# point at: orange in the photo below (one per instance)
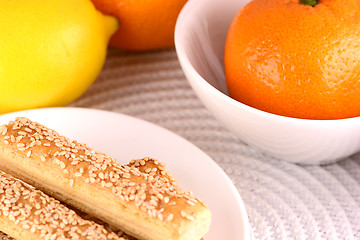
(296, 60)
(144, 24)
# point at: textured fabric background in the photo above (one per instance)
(283, 201)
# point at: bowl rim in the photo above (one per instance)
(185, 63)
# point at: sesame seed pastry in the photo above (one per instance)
(140, 198)
(27, 213)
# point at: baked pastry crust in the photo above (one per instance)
(144, 202)
(27, 213)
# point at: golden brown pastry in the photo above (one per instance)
(145, 205)
(26, 213)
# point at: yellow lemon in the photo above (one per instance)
(50, 51)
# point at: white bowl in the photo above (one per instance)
(199, 39)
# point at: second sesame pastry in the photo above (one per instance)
(144, 202)
(27, 213)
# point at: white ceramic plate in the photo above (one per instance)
(127, 138)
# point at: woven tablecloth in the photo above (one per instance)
(283, 200)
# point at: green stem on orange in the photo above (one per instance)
(309, 2)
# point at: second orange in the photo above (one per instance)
(143, 24)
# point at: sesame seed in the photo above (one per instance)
(103, 184)
(3, 130)
(26, 226)
(20, 145)
(191, 202)
(18, 138)
(62, 165)
(126, 175)
(11, 217)
(170, 217)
